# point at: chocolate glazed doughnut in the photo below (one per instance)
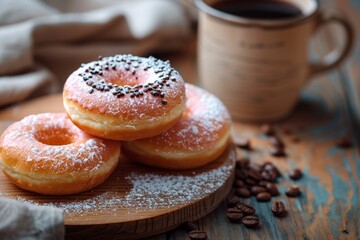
(125, 97)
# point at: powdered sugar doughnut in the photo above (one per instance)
(48, 154)
(200, 136)
(125, 97)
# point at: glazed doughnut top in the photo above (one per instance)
(128, 86)
(51, 143)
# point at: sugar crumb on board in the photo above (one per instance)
(147, 191)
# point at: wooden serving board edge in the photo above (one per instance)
(134, 230)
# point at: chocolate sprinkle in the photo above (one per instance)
(95, 70)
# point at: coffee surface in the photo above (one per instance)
(258, 9)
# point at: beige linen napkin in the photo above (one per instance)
(42, 42)
(25, 221)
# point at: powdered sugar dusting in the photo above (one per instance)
(144, 191)
(153, 190)
(204, 122)
(25, 139)
(70, 157)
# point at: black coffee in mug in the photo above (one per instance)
(258, 9)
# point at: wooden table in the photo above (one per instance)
(329, 108)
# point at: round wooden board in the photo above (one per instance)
(136, 201)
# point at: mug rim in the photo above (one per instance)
(238, 20)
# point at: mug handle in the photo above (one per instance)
(336, 56)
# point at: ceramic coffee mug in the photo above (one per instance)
(255, 55)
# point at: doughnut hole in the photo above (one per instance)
(55, 136)
(122, 78)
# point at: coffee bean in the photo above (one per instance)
(254, 174)
(243, 192)
(234, 214)
(268, 129)
(251, 221)
(241, 174)
(277, 152)
(189, 226)
(243, 143)
(232, 201)
(292, 191)
(263, 183)
(276, 142)
(344, 142)
(268, 176)
(242, 162)
(239, 183)
(263, 197)
(246, 208)
(268, 166)
(278, 209)
(250, 182)
(197, 235)
(255, 190)
(272, 189)
(256, 168)
(295, 174)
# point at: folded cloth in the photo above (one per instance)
(42, 42)
(20, 220)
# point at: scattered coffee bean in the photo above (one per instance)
(278, 209)
(243, 143)
(295, 174)
(276, 142)
(234, 214)
(250, 182)
(239, 183)
(344, 142)
(263, 197)
(232, 201)
(292, 191)
(189, 226)
(251, 221)
(254, 174)
(277, 152)
(263, 183)
(256, 168)
(269, 176)
(268, 166)
(197, 235)
(246, 208)
(243, 192)
(242, 162)
(268, 129)
(255, 190)
(272, 189)
(241, 174)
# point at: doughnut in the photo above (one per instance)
(125, 97)
(200, 136)
(47, 154)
